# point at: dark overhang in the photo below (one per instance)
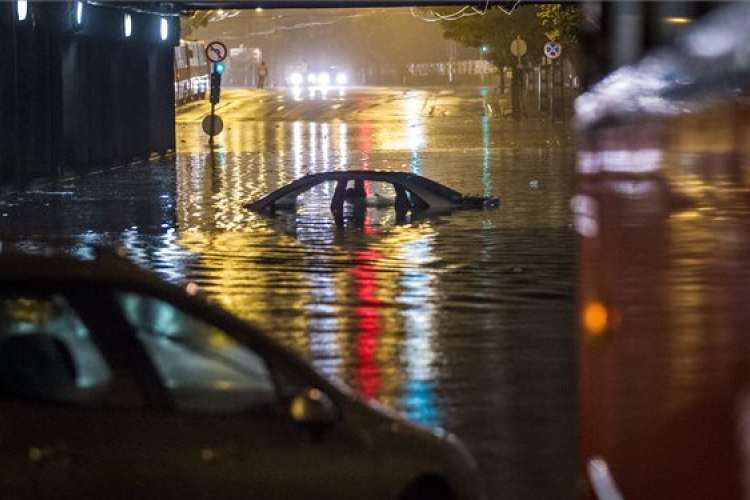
(193, 5)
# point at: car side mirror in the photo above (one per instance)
(313, 408)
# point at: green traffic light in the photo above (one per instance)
(219, 68)
(484, 48)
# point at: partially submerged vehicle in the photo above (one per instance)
(413, 193)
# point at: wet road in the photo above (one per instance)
(463, 321)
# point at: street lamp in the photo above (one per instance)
(164, 28)
(79, 12)
(22, 9)
(127, 25)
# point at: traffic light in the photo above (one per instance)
(216, 82)
(485, 48)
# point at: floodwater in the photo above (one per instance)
(464, 321)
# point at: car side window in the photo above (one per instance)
(203, 367)
(48, 352)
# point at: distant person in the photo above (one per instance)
(262, 72)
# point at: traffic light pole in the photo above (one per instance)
(213, 122)
(215, 97)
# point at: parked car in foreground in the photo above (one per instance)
(115, 384)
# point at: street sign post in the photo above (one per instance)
(216, 52)
(518, 48)
(212, 125)
(553, 51)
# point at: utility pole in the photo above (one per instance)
(518, 49)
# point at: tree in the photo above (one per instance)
(561, 22)
(536, 25)
(496, 29)
(194, 20)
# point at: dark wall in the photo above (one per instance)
(79, 98)
(620, 32)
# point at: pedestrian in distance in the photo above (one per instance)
(262, 72)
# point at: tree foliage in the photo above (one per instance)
(536, 25)
(561, 22)
(339, 37)
(194, 20)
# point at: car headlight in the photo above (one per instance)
(312, 78)
(341, 79)
(296, 79)
(324, 79)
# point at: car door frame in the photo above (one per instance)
(345, 436)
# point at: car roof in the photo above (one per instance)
(108, 265)
(111, 266)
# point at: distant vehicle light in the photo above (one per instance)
(311, 78)
(324, 79)
(341, 79)
(296, 79)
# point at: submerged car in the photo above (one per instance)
(115, 384)
(413, 193)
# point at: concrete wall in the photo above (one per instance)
(80, 98)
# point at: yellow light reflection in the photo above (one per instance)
(343, 146)
(325, 145)
(595, 319)
(220, 340)
(313, 148)
(297, 148)
(678, 20)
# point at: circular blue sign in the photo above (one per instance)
(552, 50)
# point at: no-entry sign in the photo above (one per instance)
(216, 52)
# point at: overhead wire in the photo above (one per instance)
(308, 24)
(509, 12)
(465, 11)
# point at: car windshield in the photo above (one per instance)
(204, 366)
(36, 315)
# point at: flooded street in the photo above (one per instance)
(464, 321)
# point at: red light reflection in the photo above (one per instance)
(369, 324)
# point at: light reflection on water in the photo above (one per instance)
(363, 303)
(463, 321)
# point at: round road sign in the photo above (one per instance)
(552, 50)
(216, 52)
(218, 124)
(518, 47)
